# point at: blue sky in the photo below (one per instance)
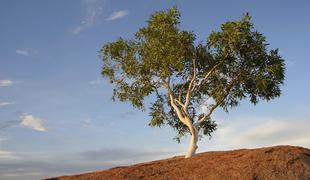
(56, 113)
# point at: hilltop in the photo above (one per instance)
(279, 162)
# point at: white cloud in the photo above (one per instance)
(6, 82)
(23, 52)
(86, 123)
(117, 15)
(6, 155)
(257, 132)
(5, 103)
(127, 155)
(32, 122)
(26, 52)
(93, 11)
(273, 132)
(21, 174)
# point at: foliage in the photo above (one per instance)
(166, 63)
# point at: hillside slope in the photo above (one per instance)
(279, 162)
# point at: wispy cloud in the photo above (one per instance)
(126, 155)
(25, 52)
(5, 103)
(8, 123)
(94, 9)
(6, 155)
(257, 132)
(273, 132)
(117, 15)
(32, 122)
(86, 123)
(32, 167)
(72, 163)
(6, 82)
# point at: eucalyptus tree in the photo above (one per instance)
(182, 75)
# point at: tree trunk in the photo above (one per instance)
(193, 142)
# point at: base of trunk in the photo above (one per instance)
(191, 152)
(193, 143)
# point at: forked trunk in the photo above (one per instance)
(193, 142)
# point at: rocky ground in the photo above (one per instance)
(279, 162)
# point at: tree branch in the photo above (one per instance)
(180, 103)
(181, 91)
(209, 73)
(189, 91)
(176, 108)
(172, 102)
(205, 116)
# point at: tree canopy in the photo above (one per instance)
(182, 75)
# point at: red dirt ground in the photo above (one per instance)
(279, 162)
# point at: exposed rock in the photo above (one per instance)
(279, 162)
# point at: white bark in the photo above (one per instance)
(193, 142)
